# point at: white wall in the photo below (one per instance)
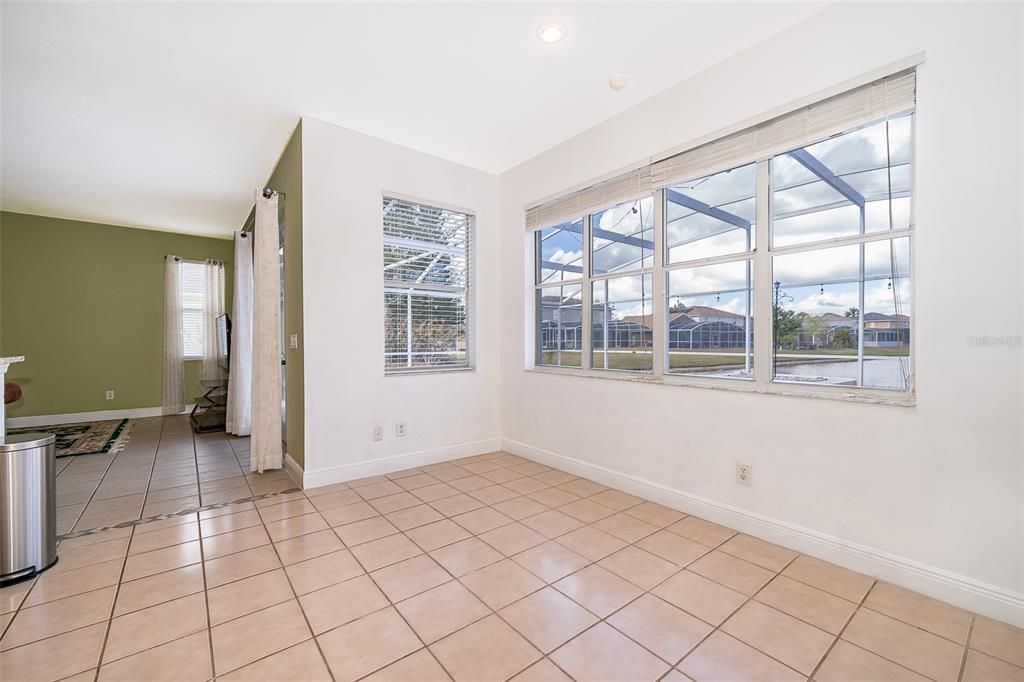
(447, 415)
(930, 496)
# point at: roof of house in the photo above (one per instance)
(707, 311)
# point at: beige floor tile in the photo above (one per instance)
(175, 535)
(295, 526)
(603, 653)
(51, 586)
(240, 565)
(72, 557)
(983, 668)
(368, 644)
(999, 640)
(420, 666)
(350, 513)
(502, 583)
(36, 662)
(512, 539)
(339, 498)
(707, 600)
(817, 607)
(550, 561)
(586, 510)
(591, 543)
(846, 662)
(229, 522)
(547, 618)
(297, 507)
(12, 596)
(599, 590)
(552, 523)
(375, 490)
(520, 507)
(456, 504)
(248, 595)
(675, 548)
(160, 560)
(701, 531)
(438, 491)
(250, 638)
(757, 551)
(829, 577)
(542, 671)
(737, 574)
(502, 475)
(784, 638)
(470, 483)
(481, 520)
(924, 612)
(664, 629)
(442, 610)
(552, 497)
(410, 577)
(466, 555)
(420, 480)
(486, 650)
(342, 603)
(141, 630)
(493, 494)
(156, 589)
(366, 530)
(385, 551)
(726, 659)
(413, 517)
(437, 534)
(182, 660)
(392, 503)
(616, 499)
(921, 651)
(639, 567)
(582, 487)
(308, 546)
(626, 527)
(300, 662)
(93, 539)
(235, 541)
(322, 571)
(59, 616)
(555, 477)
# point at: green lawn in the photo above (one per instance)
(641, 359)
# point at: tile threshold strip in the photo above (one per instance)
(183, 512)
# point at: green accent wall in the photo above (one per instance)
(83, 302)
(287, 179)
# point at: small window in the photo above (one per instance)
(623, 237)
(193, 305)
(711, 216)
(426, 287)
(623, 323)
(560, 325)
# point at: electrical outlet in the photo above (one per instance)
(744, 474)
(110, 395)
(399, 429)
(378, 433)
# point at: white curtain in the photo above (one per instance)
(239, 414)
(265, 448)
(174, 355)
(212, 309)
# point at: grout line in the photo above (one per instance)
(967, 649)
(202, 563)
(839, 636)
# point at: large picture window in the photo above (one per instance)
(427, 261)
(806, 219)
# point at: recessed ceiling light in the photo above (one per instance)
(617, 82)
(551, 33)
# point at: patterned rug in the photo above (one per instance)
(86, 438)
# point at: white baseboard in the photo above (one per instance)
(385, 465)
(294, 470)
(960, 590)
(100, 415)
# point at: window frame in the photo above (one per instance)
(468, 290)
(761, 259)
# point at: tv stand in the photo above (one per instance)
(210, 412)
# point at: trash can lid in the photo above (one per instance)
(24, 441)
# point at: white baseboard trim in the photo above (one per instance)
(960, 590)
(100, 415)
(385, 465)
(294, 470)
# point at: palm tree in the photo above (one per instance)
(852, 313)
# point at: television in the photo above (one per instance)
(223, 341)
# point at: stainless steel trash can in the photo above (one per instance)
(28, 506)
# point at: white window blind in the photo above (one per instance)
(880, 99)
(426, 287)
(193, 302)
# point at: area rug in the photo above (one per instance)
(86, 438)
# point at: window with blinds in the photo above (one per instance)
(427, 264)
(193, 303)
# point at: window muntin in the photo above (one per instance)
(709, 322)
(193, 307)
(623, 237)
(560, 325)
(711, 216)
(623, 323)
(426, 287)
(560, 252)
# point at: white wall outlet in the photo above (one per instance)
(110, 395)
(744, 474)
(293, 341)
(400, 430)
(378, 433)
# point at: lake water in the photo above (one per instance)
(886, 372)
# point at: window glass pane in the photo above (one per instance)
(193, 302)
(816, 315)
(560, 325)
(623, 237)
(825, 190)
(623, 321)
(710, 328)
(560, 249)
(424, 329)
(711, 216)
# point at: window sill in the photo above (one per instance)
(870, 396)
(430, 370)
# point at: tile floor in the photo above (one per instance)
(485, 568)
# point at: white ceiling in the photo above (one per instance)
(167, 116)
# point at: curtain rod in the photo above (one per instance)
(250, 225)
